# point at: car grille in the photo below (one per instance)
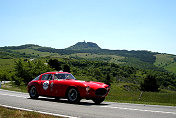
(100, 92)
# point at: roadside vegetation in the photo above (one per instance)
(123, 93)
(12, 87)
(12, 113)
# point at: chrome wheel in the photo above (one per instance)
(33, 93)
(73, 95)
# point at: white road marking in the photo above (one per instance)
(9, 90)
(22, 96)
(47, 113)
(13, 91)
(14, 95)
(165, 112)
(143, 104)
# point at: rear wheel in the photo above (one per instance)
(73, 95)
(98, 100)
(33, 93)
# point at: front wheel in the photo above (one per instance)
(73, 95)
(98, 100)
(33, 93)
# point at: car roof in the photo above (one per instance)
(56, 72)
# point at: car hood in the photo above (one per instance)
(92, 84)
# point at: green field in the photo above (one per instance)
(118, 94)
(6, 64)
(97, 57)
(171, 67)
(12, 113)
(37, 53)
(166, 61)
(163, 60)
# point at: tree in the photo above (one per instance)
(20, 72)
(150, 83)
(108, 79)
(98, 74)
(3, 76)
(66, 68)
(54, 63)
(26, 71)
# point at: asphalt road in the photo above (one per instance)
(86, 109)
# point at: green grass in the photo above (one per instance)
(107, 58)
(12, 87)
(6, 64)
(171, 67)
(12, 113)
(37, 53)
(163, 59)
(166, 61)
(118, 94)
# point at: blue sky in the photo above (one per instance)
(112, 24)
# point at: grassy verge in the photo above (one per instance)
(117, 94)
(12, 113)
(12, 87)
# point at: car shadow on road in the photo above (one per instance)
(83, 102)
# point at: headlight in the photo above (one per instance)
(87, 88)
(108, 87)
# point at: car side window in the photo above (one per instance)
(47, 77)
(59, 76)
(63, 76)
(55, 77)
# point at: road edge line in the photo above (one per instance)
(42, 112)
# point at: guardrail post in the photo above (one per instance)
(140, 95)
(0, 84)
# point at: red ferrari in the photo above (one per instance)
(65, 85)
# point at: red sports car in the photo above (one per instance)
(65, 85)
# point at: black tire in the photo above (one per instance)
(98, 100)
(33, 92)
(73, 95)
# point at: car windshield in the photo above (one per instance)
(63, 76)
(37, 78)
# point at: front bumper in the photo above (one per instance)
(94, 93)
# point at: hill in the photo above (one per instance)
(84, 46)
(91, 51)
(25, 51)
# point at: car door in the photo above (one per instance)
(59, 87)
(46, 85)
